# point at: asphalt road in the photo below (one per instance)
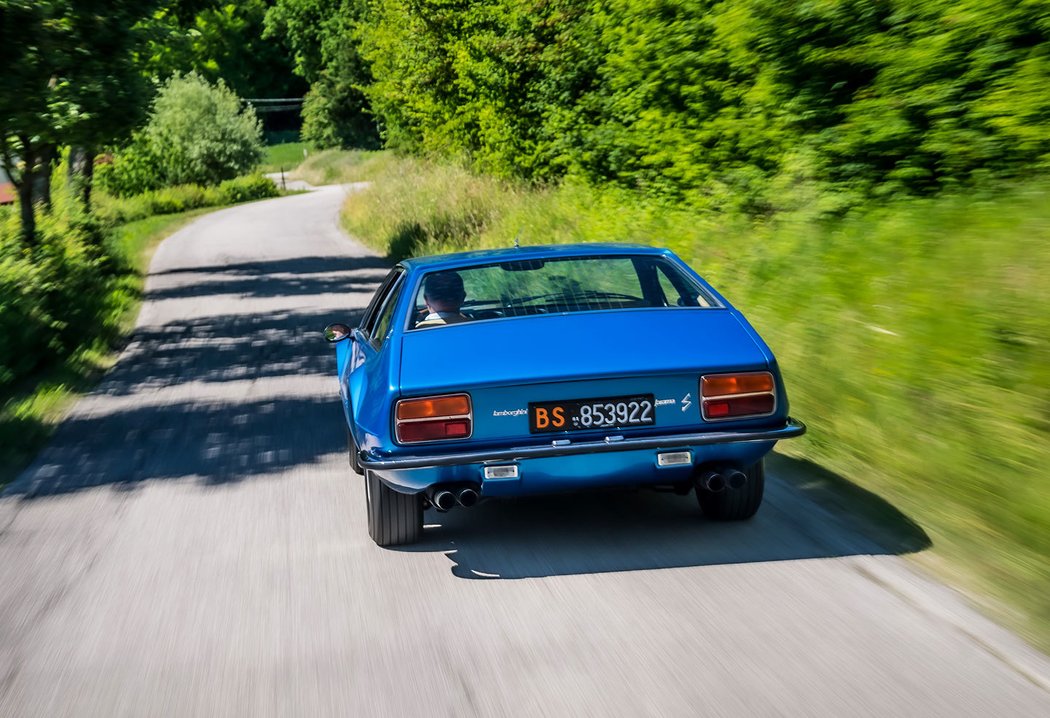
(193, 544)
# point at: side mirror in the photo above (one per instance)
(336, 333)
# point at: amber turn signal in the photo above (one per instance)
(433, 407)
(433, 418)
(730, 384)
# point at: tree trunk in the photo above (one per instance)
(25, 184)
(47, 155)
(25, 203)
(89, 177)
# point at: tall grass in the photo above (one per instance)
(914, 336)
(334, 166)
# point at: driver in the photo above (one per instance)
(444, 294)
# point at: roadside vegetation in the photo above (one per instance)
(285, 156)
(914, 335)
(32, 406)
(71, 279)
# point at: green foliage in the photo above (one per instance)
(737, 104)
(198, 133)
(131, 170)
(338, 166)
(325, 38)
(48, 294)
(285, 156)
(68, 290)
(223, 41)
(111, 211)
(201, 133)
(70, 78)
(245, 189)
(69, 69)
(431, 208)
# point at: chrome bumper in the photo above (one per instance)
(565, 447)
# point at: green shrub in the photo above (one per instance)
(197, 133)
(708, 101)
(50, 297)
(245, 189)
(130, 171)
(66, 293)
(111, 211)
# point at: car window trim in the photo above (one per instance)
(378, 300)
(393, 295)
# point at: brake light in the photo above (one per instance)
(735, 396)
(433, 418)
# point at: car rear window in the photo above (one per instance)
(564, 285)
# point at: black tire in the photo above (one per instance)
(735, 504)
(394, 519)
(355, 465)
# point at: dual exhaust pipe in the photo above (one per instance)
(444, 498)
(718, 481)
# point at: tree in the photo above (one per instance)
(70, 77)
(324, 36)
(223, 40)
(199, 133)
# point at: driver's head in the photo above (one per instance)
(444, 291)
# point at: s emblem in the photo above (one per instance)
(687, 401)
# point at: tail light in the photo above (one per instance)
(737, 396)
(433, 418)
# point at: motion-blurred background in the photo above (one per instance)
(867, 180)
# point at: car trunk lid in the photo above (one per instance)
(507, 363)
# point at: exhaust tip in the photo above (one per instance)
(735, 479)
(443, 500)
(711, 481)
(467, 497)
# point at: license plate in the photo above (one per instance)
(582, 414)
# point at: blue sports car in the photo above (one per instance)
(544, 369)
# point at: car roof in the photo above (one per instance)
(540, 251)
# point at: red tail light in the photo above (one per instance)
(433, 418)
(736, 396)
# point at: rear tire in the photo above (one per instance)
(394, 519)
(355, 465)
(735, 504)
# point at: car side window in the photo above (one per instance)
(671, 294)
(368, 321)
(680, 292)
(386, 315)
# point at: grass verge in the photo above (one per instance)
(285, 156)
(914, 337)
(336, 166)
(31, 409)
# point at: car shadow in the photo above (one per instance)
(611, 531)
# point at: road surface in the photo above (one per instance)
(193, 544)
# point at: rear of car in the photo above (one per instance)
(599, 367)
